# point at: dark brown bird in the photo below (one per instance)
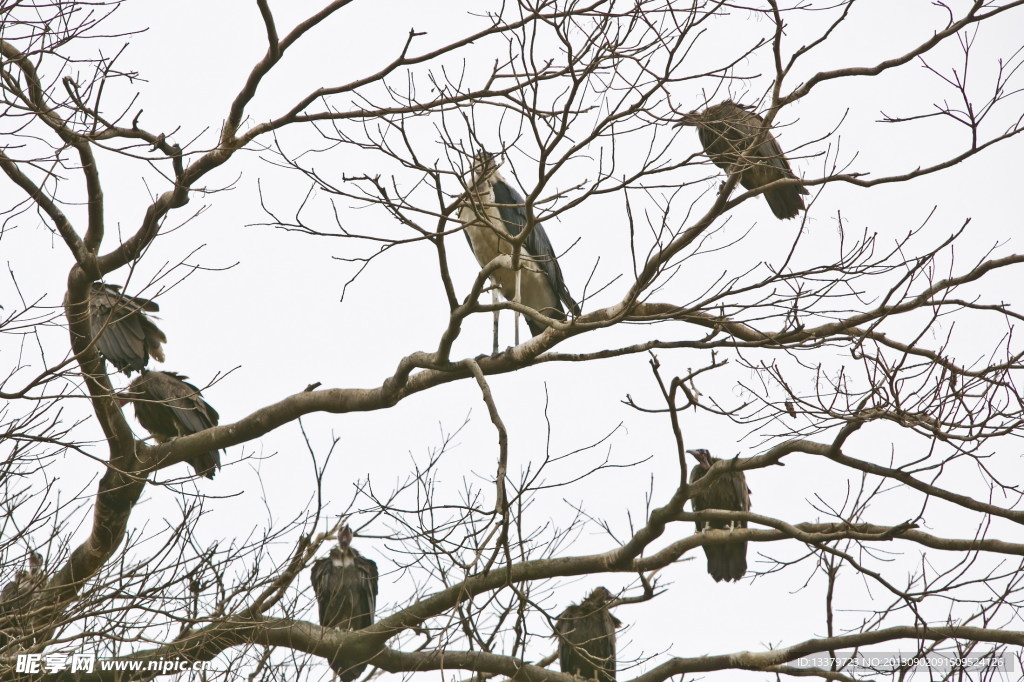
(167, 406)
(728, 492)
(586, 638)
(726, 131)
(126, 336)
(345, 585)
(16, 600)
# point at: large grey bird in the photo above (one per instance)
(126, 336)
(728, 492)
(586, 638)
(16, 600)
(726, 131)
(167, 406)
(492, 212)
(345, 585)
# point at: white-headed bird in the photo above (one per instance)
(493, 212)
(345, 585)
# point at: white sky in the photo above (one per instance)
(267, 302)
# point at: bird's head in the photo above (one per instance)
(599, 596)
(708, 117)
(693, 118)
(135, 390)
(35, 562)
(485, 164)
(702, 456)
(345, 537)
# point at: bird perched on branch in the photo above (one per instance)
(728, 492)
(727, 131)
(125, 335)
(16, 600)
(345, 585)
(586, 638)
(167, 406)
(493, 211)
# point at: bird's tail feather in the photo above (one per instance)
(727, 562)
(206, 464)
(786, 202)
(345, 670)
(538, 328)
(535, 327)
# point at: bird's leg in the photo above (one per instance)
(731, 171)
(732, 526)
(494, 300)
(518, 284)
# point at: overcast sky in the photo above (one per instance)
(264, 305)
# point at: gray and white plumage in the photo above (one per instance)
(16, 600)
(727, 130)
(167, 406)
(728, 492)
(345, 585)
(586, 638)
(493, 209)
(127, 338)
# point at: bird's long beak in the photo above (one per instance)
(689, 119)
(485, 160)
(700, 457)
(345, 535)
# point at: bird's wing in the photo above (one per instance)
(696, 474)
(316, 575)
(126, 336)
(118, 337)
(11, 590)
(724, 132)
(135, 302)
(588, 642)
(569, 658)
(768, 152)
(772, 155)
(511, 208)
(368, 574)
(368, 567)
(564, 623)
(742, 492)
(736, 495)
(191, 411)
(319, 575)
(601, 645)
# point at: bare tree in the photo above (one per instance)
(858, 365)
